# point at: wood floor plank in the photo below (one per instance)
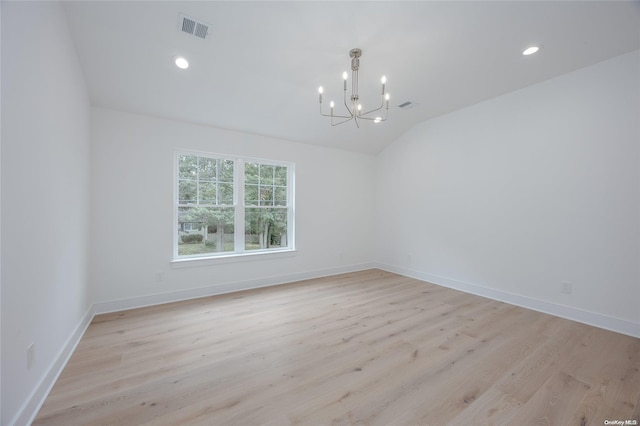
(549, 404)
(615, 382)
(369, 348)
(493, 407)
(532, 371)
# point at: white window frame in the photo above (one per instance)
(238, 205)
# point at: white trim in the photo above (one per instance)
(189, 262)
(28, 411)
(176, 296)
(590, 318)
(238, 182)
(291, 205)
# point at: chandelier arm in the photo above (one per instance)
(335, 116)
(348, 109)
(382, 99)
(345, 102)
(373, 110)
(340, 122)
(332, 115)
(376, 118)
(386, 115)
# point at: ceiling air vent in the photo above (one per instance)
(406, 105)
(193, 27)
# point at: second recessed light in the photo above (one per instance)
(181, 62)
(530, 50)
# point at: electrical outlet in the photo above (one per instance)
(31, 355)
(567, 288)
(159, 276)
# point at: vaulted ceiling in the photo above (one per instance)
(259, 68)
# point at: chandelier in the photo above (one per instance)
(354, 108)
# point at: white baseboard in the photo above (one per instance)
(176, 296)
(591, 318)
(30, 408)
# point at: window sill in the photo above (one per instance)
(231, 258)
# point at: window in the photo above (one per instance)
(232, 206)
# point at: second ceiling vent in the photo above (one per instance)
(193, 27)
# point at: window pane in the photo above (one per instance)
(280, 176)
(207, 192)
(251, 173)
(225, 171)
(188, 166)
(204, 230)
(266, 174)
(265, 228)
(280, 197)
(225, 193)
(206, 168)
(251, 195)
(187, 192)
(266, 196)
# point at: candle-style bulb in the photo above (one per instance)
(383, 79)
(345, 75)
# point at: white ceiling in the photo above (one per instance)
(259, 69)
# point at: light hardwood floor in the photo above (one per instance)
(361, 348)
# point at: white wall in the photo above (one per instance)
(515, 195)
(132, 210)
(45, 201)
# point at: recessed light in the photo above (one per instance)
(530, 50)
(181, 62)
